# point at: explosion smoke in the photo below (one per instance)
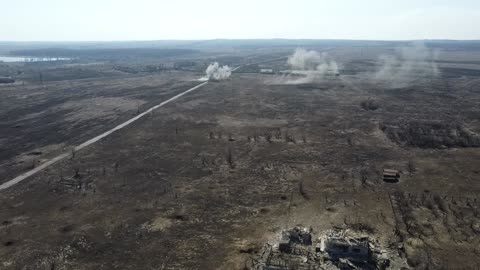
(312, 64)
(216, 73)
(409, 63)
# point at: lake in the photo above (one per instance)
(11, 59)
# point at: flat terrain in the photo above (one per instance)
(40, 120)
(206, 181)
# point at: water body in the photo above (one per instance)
(12, 59)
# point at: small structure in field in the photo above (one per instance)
(266, 70)
(6, 80)
(391, 176)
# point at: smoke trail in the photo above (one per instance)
(312, 65)
(215, 72)
(410, 63)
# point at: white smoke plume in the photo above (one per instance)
(313, 65)
(215, 72)
(407, 65)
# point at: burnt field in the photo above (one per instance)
(40, 120)
(206, 181)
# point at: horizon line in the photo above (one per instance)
(234, 39)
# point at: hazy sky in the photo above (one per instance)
(64, 20)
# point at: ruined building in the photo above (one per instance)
(355, 250)
(293, 237)
(297, 248)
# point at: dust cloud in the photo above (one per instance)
(215, 72)
(409, 63)
(311, 65)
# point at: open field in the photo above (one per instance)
(204, 182)
(38, 120)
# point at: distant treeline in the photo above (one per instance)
(295, 43)
(164, 48)
(103, 53)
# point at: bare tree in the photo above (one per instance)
(77, 173)
(256, 137)
(204, 161)
(411, 166)
(278, 134)
(268, 137)
(350, 141)
(230, 160)
(364, 176)
(301, 189)
(73, 153)
(289, 138)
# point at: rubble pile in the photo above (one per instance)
(297, 236)
(297, 248)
